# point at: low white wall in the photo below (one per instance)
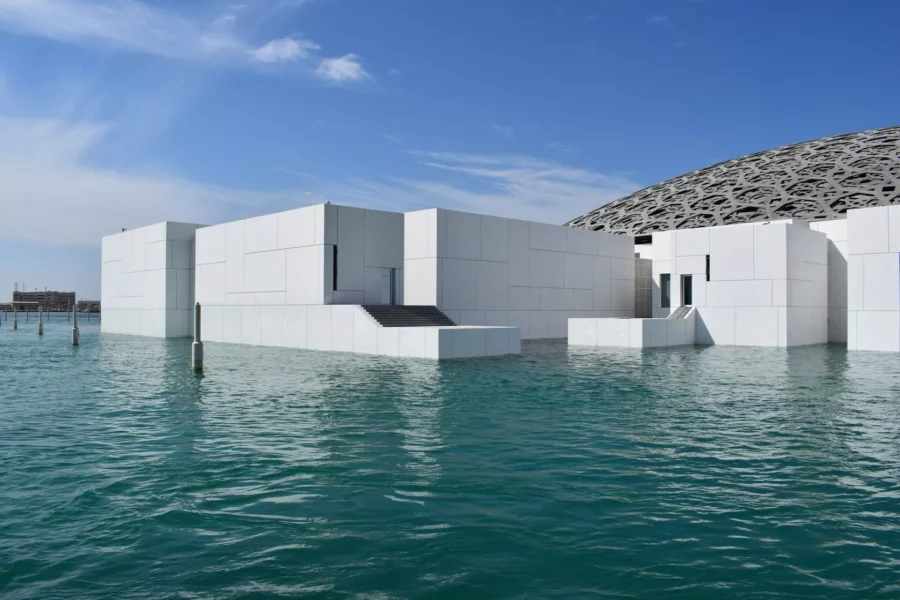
(873, 279)
(347, 328)
(483, 270)
(768, 283)
(147, 280)
(633, 333)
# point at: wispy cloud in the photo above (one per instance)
(285, 49)
(561, 147)
(660, 20)
(345, 68)
(43, 164)
(390, 138)
(504, 130)
(510, 186)
(133, 26)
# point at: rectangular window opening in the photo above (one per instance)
(687, 290)
(665, 290)
(334, 268)
(707, 267)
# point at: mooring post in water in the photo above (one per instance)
(15, 317)
(197, 346)
(75, 336)
(40, 320)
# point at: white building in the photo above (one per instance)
(795, 246)
(314, 278)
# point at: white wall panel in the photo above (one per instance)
(868, 230)
(272, 325)
(557, 299)
(756, 326)
(693, 242)
(881, 282)
(261, 233)
(303, 279)
(770, 251)
(384, 234)
(739, 293)
(351, 248)
(582, 241)
(297, 228)
(411, 342)
(463, 235)
(342, 328)
(251, 325)
(494, 239)
(695, 265)
(422, 284)
(715, 326)
(548, 237)
(547, 269)
(415, 235)
(235, 257)
(579, 271)
(265, 271)
(294, 319)
(878, 330)
(518, 253)
(493, 285)
(731, 253)
(460, 284)
(318, 327)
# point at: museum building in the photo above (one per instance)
(794, 246)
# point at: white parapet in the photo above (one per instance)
(349, 328)
(633, 333)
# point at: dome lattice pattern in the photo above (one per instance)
(817, 180)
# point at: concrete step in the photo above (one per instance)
(408, 316)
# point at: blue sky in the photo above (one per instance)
(120, 113)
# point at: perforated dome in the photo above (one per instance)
(817, 180)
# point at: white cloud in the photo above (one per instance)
(50, 194)
(560, 146)
(133, 26)
(662, 20)
(504, 130)
(345, 68)
(285, 49)
(509, 186)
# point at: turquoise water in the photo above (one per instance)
(677, 473)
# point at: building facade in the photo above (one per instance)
(49, 300)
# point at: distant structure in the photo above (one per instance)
(88, 306)
(50, 300)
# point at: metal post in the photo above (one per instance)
(15, 317)
(40, 320)
(75, 336)
(197, 346)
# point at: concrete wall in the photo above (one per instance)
(873, 279)
(643, 287)
(768, 283)
(147, 280)
(633, 333)
(348, 328)
(250, 271)
(838, 254)
(484, 270)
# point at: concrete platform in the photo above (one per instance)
(633, 333)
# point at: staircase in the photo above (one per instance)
(680, 312)
(408, 316)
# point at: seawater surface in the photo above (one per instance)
(564, 473)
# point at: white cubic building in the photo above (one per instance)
(795, 246)
(873, 276)
(482, 270)
(787, 247)
(148, 280)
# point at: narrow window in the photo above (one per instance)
(707, 267)
(334, 268)
(687, 290)
(665, 290)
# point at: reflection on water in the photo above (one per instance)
(681, 472)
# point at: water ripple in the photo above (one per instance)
(564, 473)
